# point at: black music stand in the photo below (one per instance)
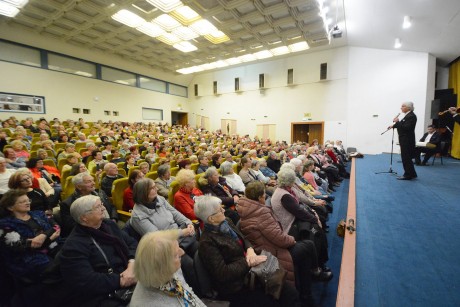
(390, 171)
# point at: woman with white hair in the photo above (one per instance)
(159, 275)
(228, 257)
(97, 258)
(233, 180)
(294, 217)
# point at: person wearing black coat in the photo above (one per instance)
(432, 137)
(455, 115)
(96, 260)
(84, 185)
(406, 132)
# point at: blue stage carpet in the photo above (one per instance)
(408, 240)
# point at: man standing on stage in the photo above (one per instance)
(406, 131)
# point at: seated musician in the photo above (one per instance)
(427, 144)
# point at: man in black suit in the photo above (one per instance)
(456, 116)
(406, 131)
(432, 138)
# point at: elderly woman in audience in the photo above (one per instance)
(164, 180)
(22, 180)
(144, 167)
(43, 154)
(228, 257)
(129, 162)
(293, 216)
(259, 226)
(213, 184)
(96, 259)
(184, 199)
(71, 159)
(97, 163)
(248, 174)
(18, 148)
(233, 180)
(27, 238)
(128, 200)
(49, 145)
(184, 164)
(68, 149)
(151, 155)
(158, 271)
(78, 168)
(152, 212)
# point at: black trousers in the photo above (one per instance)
(303, 255)
(428, 154)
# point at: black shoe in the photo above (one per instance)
(323, 276)
(405, 178)
(326, 269)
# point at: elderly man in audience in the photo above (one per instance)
(273, 162)
(111, 174)
(84, 185)
(164, 180)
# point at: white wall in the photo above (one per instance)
(279, 104)
(378, 82)
(65, 91)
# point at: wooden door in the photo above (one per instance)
(307, 132)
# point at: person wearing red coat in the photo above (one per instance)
(184, 199)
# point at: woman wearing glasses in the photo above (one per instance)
(27, 238)
(23, 180)
(96, 260)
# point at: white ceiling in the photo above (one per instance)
(365, 23)
(435, 26)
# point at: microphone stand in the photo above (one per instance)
(390, 171)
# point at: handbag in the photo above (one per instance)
(122, 295)
(341, 228)
(269, 274)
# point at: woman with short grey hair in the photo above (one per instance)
(96, 259)
(228, 257)
(163, 182)
(233, 180)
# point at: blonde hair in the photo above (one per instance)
(154, 265)
(184, 176)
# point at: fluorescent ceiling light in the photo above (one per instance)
(407, 22)
(217, 37)
(17, 3)
(185, 71)
(398, 43)
(233, 61)
(8, 10)
(169, 38)
(128, 18)
(220, 64)
(298, 46)
(280, 50)
(185, 15)
(185, 47)
(83, 73)
(208, 66)
(151, 29)
(203, 27)
(166, 5)
(247, 58)
(166, 22)
(122, 82)
(263, 54)
(185, 33)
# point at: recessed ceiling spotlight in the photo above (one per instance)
(398, 43)
(407, 22)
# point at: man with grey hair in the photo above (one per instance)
(111, 171)
(84, 185)
(405, 124)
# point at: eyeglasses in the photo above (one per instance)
(96, 208)
(222, 210)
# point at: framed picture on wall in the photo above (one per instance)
(21, 103)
